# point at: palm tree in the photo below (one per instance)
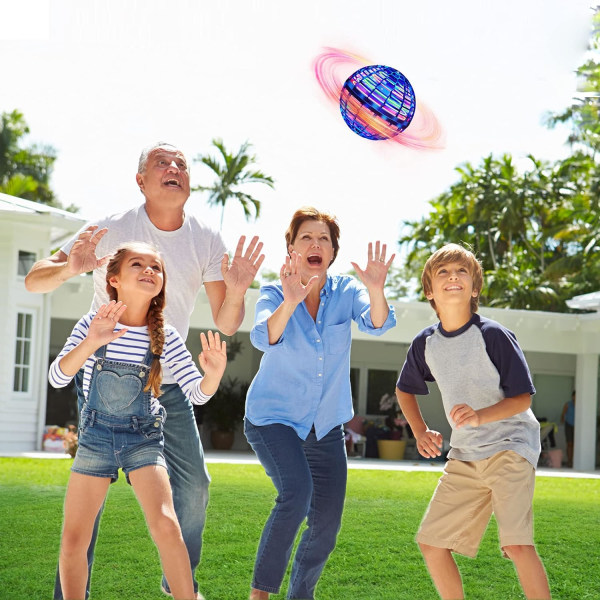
(232, 172)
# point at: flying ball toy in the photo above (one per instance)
(377, 102)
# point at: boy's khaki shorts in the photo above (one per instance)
(468, 493)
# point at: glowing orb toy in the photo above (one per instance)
(377, 102)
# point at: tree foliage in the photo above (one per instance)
(537, 233)
(25, 170)
(233, 172)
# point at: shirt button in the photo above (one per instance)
(318, 340)
(320, 358)
(320, 374)
(156, 424)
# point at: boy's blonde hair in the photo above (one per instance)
(453, 253)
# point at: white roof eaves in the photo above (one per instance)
(585, 301)
(61, 224)
(22, 206)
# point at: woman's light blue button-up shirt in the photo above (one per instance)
(304, 378)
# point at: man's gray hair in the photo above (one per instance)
(148, 150)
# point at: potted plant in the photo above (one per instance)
(390, 436)
(224, 412)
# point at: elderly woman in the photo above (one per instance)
(300, 397)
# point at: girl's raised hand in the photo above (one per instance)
(213, 358)
(102, 328)
(377, 268)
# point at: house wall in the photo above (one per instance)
(562, 350)
(21, 413)
(35, 229)
(538, 333)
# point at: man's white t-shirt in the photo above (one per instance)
(192, 255)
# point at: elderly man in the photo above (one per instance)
(194, 256)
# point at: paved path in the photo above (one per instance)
(249, 458)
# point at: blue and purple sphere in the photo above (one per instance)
(377, 102)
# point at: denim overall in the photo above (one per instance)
(116, 428)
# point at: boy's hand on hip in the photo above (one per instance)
(463, 414)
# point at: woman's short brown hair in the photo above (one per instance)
(448, 254)
(309, 213)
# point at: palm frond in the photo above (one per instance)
(231, 173)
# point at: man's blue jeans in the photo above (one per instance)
(188, 475)
(310, 478)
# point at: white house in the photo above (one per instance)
(28, 231)
(562, 349)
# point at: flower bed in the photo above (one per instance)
(60, 439)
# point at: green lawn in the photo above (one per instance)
(376, 557)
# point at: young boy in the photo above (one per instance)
(486, 389)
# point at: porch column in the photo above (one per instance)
(41, 365)
(586, 409)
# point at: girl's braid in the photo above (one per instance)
(156, 331)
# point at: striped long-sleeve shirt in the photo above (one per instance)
(132, 348)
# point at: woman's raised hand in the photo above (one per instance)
(293, 288)
(377, 268)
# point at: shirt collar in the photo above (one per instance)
(473, 320)
(326, 290)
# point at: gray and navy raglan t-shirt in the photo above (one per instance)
(479, 364)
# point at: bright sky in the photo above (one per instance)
(100, 79)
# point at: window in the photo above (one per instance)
(380, 382)
(26, 260)
(23, 352)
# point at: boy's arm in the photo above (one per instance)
(463, 414)
(428, 442)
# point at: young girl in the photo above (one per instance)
(121, 348)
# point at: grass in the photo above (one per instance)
(375, 559)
